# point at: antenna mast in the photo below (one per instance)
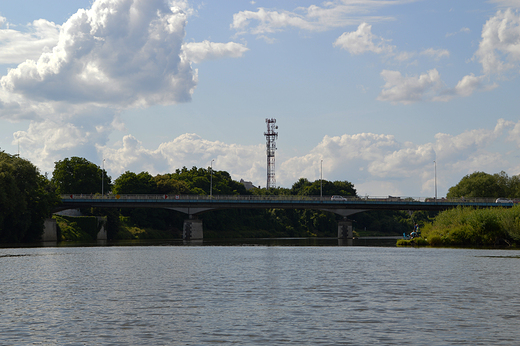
(270, 137)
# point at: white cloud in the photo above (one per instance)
(116, 54)
(332, 14)
(18, 46)
(113, 56)
(407, 90)
(377, 164)
(200, 51)
(362, 40)
(436, 53)
(188, 150)
(499, 49)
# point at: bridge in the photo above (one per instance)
(197, 204)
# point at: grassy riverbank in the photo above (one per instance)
(492, 227)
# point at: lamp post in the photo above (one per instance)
(211, 181)
(321, 179)
(103, 180)
(435, 178)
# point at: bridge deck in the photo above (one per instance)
(200, 203)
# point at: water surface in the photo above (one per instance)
(258, 295)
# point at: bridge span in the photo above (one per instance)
(197, 204)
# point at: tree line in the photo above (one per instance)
(27, 197)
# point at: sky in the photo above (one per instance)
(398, 97)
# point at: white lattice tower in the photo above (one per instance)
(271, 137)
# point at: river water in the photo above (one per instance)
(258, 294)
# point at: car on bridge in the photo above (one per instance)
(503, 200)
(338, 198)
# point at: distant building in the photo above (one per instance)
(248, 185)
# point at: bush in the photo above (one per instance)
(474, 227)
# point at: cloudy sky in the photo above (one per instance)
(374, 90)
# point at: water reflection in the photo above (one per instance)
(274, 292)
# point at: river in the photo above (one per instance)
(258, 294)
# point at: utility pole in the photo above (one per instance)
(321, 178)
(435, 178)
(211, 181)
(103, 180)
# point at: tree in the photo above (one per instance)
(199, 181)
(131, 183)
(481, 184)
(78, 175)
(325, 187)
(26, 199)
(166, 184)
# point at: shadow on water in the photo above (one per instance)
(362, 241)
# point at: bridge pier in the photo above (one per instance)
(345, 229)
(192, 229)
(50, 232)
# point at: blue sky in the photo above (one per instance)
(377, 89)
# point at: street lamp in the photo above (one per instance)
(211, 181)
(103, 180)
(321, 179)
(435, 178)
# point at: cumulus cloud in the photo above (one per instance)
(362, 40)
(73, 79)
(18, 46)
(206, 50)
(381, 165)
(499, 49)
(406, 90)
(186, 150)
(116, 54)
(377, 164)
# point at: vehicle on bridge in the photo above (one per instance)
(503, 200)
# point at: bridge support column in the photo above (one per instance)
(50, 232)
(102, 234)
(345, 229)
(192, 229)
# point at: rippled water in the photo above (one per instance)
(259, 295)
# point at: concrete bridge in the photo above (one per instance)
(193, 205)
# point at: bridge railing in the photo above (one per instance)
(276, 198)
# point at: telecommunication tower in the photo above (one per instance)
(270, 137)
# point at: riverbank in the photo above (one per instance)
(469, 227)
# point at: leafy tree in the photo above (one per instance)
(325, 187)
(166, 184)
(481, 184)
(199, 181)
(26, 199)
(131, 183)
(78, 175)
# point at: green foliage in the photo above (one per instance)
(79, 176)
(82, 228)
(200, 181)
(166, 184)
(323, 187)
(26, 199)
(131, 183)
(475, 227)
(480, 184)
(412, 242)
